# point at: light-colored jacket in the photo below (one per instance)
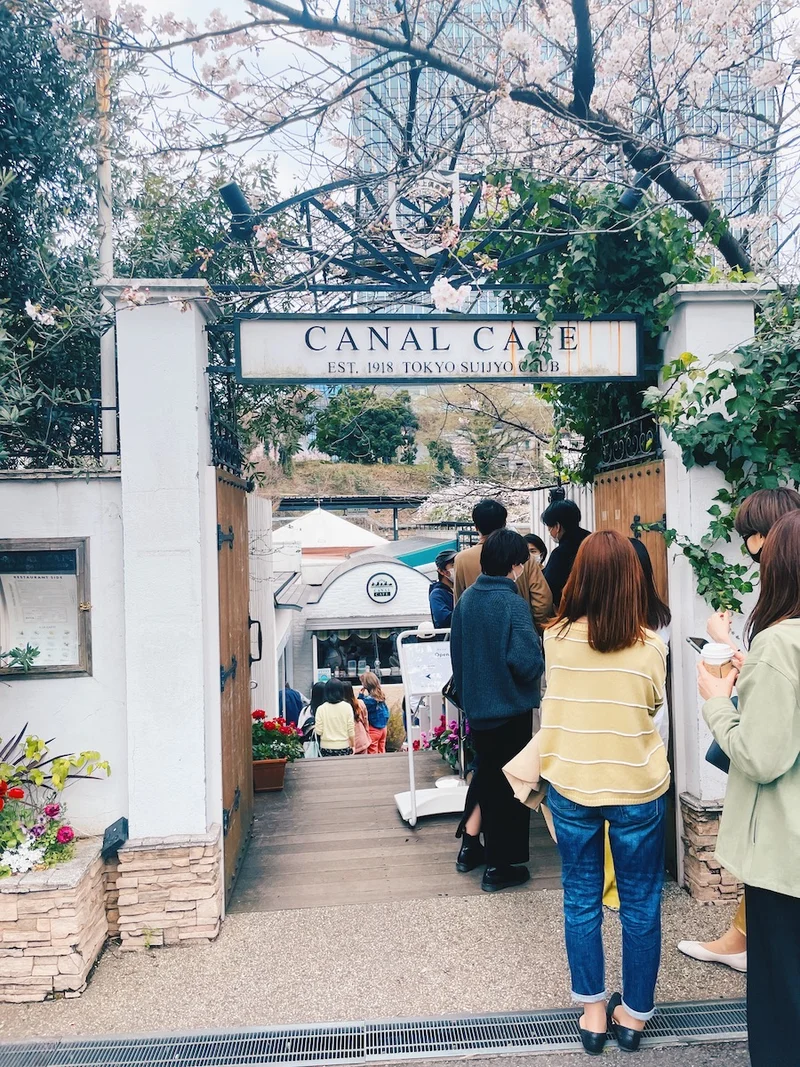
(759, 837)
(531, 585)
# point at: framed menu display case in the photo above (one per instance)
(44, 602)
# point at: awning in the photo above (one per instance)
(351, 625)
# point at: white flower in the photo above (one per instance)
(447, 298)
(133, 296)
(268, 238)
(97, 9)
(23, 858)
(131, 17)
(35, 312)
(517, 42)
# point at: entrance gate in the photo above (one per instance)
(234, 671)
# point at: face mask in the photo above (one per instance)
(536, 557)
(755, 556)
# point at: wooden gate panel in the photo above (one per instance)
(234, 648)
(621, 495)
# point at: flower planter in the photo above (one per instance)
(268, 775)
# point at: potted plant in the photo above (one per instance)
(276, 742)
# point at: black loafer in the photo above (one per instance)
(593, 1044)
(497, 878)
(471, 854)
(627, 1039)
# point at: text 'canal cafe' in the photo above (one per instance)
(343, 594)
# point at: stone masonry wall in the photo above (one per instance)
(52, 927)
(705, 879)
(169, 890)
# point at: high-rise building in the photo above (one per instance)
(411, 115)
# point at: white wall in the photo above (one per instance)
(262, 602)
(171, 595)
(708, 321)
(347, 596)
(79, 713)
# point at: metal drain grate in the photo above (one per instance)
(374, 1042)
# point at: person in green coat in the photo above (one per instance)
(759, 837)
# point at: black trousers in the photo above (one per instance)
(504, 821)
(773, 978)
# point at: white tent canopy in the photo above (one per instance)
(319, 529)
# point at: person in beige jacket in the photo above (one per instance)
(489, 515)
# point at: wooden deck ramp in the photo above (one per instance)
(333, 837)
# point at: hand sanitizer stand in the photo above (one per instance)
(425, 667)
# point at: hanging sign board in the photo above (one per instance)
(414, 349)
(426, 666)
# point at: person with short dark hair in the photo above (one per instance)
(490, 515)
(536, 547)
(440, 593)
(290, 703)
(497, 663)
(563, 521)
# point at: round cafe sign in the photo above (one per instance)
(382, 588)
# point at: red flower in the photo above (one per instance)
(16, 793)
(65, 835)
(52, 811)
(259, 714)
(416, 745)
(3, 788)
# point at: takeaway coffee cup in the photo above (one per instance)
(717, 659)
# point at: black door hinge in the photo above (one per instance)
(227, 813)
(224, 674)
(224, 538)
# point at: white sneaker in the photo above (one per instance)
(698, 951)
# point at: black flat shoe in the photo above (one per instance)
(593, 1044)
(471, 854)
(497, 878)
(627, 1039)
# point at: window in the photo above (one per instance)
(44, 602)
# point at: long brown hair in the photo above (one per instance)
(351, 698)
(779, 596)
(606, 587)
(372, 684)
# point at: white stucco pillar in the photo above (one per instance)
(709, 320)
(170, 560)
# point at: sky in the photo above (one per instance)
(289, 174)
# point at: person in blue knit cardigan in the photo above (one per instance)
(497, 663)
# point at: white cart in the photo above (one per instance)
(425, 667)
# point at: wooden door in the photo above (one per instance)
(624, 498)
(234, 653)
(631, 495)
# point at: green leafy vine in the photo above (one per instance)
(741, 413)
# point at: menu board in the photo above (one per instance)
(39, 605)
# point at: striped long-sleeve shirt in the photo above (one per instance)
(599, 744)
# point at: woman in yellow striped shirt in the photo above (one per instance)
(605, 761)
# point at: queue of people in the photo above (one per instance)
(602, 749)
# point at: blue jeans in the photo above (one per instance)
(637, 845)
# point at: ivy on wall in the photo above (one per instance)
(742, 413)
